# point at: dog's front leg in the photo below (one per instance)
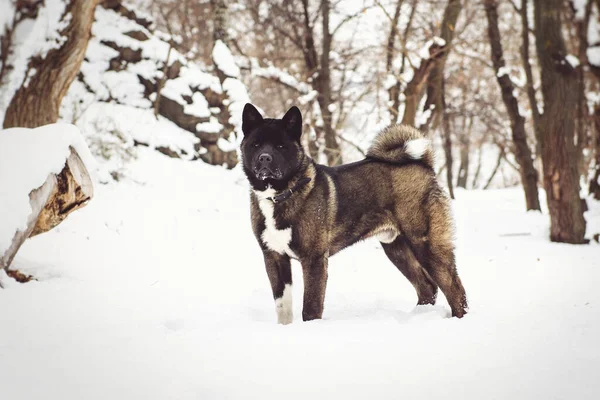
(315, 283)
(280, 275)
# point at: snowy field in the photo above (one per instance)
(157, 290)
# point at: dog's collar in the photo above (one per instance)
(288, 192)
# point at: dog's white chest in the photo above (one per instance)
(275, 239)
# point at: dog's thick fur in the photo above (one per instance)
(392, 195)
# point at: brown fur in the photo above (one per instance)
(390, 145)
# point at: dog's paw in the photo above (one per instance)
(284, 318)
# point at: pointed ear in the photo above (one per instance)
(292, 121)
(251, 118)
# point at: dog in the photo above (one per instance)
(309, 212)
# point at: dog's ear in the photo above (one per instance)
(251, 118)
(292, 122)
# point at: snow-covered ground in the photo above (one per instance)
(157, 290)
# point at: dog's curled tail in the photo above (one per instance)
(401, 144)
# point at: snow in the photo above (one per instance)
(213, 126)
(503, 71)
(572, 60)
(112, 26)
(136, 124)
(423, 116)
(594, 28)
(157, 290)
(238, 95)
(439, 41)
(6, 16)
(308, 98)
(109, 102)
(424, 51)
(593, 54)
(277, 74)
(27, 157)
(112, 106)
(224, 60)
(390, 81)
(579, 6)
(593, 51)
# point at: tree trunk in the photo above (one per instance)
(594, 188)
(394, 91)
(414, 88)
(559, 153)
(322, 84)
(220, 23)
(332, 147)
(496, 168)
(434, 83)
(435, 87)
(582, 125)
(522, 152)
(214, 154)
(463, 169)
(219, 17)
(594, 184)
(160, 84)
(535, 111)
(38, 102)
(465, 147)
(475, 181)
(447, 138)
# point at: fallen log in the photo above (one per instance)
(57, 197)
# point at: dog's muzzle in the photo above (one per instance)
(266, 173)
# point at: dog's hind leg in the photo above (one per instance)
(442, 268)
(403, 258)
(280, 275)
(438, 257)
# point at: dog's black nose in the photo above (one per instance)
(265, 158)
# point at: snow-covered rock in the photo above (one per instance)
(121, 77)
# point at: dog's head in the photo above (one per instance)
(271, 150)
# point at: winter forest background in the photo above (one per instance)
(509, 92)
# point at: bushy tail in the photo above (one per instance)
(400, 144)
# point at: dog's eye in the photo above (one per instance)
(280, 146)
(255, 144)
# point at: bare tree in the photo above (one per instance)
(414, 89)
(465, 149)
(332, 147)
(535, 111)
(435, 97)
(559, 152)
(394, 90)
(301, 37)
(50, 76)
(436, 101)
(517, 122)
(594, 185)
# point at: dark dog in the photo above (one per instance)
(309, 212)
